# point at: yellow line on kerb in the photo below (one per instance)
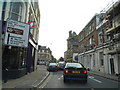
(45, 83)
(8, 87)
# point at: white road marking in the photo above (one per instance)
(92, 89)
(91, 77)
(60, 77)
(45, 83)
(97, 80)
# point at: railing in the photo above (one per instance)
(114, 45)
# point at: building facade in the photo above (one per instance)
(87, 42)
(34, 21)
(99, 42)
(113, 36)
(20, 60)
(72, 45)
(44, 54)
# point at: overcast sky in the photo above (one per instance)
(58, 17)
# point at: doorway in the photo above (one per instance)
(112, 66)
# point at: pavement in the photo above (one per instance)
(112, 77)
(31, 80)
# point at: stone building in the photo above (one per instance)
(65, 55)
(44, 54)
(20, 60)
(72, 45)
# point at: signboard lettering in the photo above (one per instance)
(17, 33)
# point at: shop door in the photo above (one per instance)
(112, 66)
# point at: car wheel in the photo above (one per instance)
(65, 80)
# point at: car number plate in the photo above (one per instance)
(75, 71)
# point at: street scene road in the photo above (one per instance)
(55, 80)
(48, 44)
(39, 80)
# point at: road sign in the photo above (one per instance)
(16, 33)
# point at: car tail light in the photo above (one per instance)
(66, 71)
(58, 65)
(85, 72)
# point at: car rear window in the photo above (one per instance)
(75, 65)
(61, 62)
(52, 64)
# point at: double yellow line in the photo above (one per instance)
(46, 81)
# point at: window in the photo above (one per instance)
(16, 10)
(100, 38)
(101, 58)
(102, 62)
(90, 40)
(46, 56)
(74, 65)
(43, 51)
(93, 27)
(107, 37)
(90, 28)
(116, 20)
(93, 59)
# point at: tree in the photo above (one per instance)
(61, 59)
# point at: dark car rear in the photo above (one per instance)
(61, 65)
(52, 67)
(75, 71)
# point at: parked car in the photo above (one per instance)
(75, 71)
(52, 67)
(41, 62)
(61, 65)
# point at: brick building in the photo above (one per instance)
(87, 42)
(99, 45)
